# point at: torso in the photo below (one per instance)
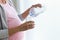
(13, 21)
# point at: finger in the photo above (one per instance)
(30, 22)
(37, 5)
(31, 26)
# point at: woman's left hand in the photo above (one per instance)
(36, 5)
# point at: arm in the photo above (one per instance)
(23, 27)
(13, 31)
(25, 14)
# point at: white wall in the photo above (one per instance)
(48, 23)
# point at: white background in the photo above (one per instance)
(48, 23)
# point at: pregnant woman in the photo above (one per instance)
(15, 27)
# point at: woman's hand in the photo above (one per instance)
(23, 27)
(26, 13)
(27, 25)
(36, 5)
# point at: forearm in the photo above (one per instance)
(25, 14)
(23, 27)
(12, 31)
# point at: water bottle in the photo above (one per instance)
(34, 12)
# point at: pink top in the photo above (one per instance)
(13, 21)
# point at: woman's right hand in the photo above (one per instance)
(26, 26)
